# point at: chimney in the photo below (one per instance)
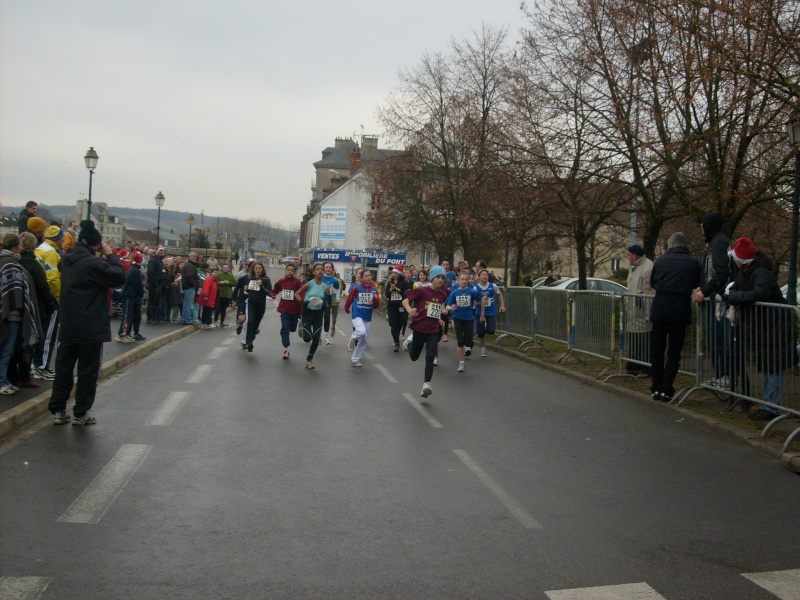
(355, 160)
(370, 145)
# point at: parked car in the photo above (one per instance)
(593, 284)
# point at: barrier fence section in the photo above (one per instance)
(519, 319)
(552, 315)
(593, 324)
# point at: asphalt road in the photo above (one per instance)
(217, 473)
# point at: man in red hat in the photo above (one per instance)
(394, 291)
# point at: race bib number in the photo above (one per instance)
(287, 295)
(365, 298)
(434, 310)
(255, 284)
(489, 301)
(396, 297)
(463, 301)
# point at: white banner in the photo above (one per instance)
(333, 222)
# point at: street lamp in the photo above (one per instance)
(190, 221)
(91, 162)
(159, 203)
(793, 127)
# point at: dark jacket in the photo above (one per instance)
(46, 302)
(769, 330)
(22, 220)
(156, 272)
(716, 264)
(257, 296)
(133, 287)
(675, 276)
(85, 280)
(189, 276)
(402, 285)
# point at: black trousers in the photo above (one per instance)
(153, 302)
(666, 334)
(88, 357)
(429, 341)
(397, 320)
(255, 312)
(222, 309)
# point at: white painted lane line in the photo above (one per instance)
(199, 374)
(386, 373)
(227, 341)
(421, 410)
(217, 352)
(23, 588)
(520, 513)
(94, 501)
(367, 355)
(784, 584)
(627, 591)
(167, 410)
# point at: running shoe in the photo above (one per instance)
(357, 364)
(484, 352)
(461, 367)
(7, 390)
(351, 345)
(309, 364)
(249, 347)
(86, 419)
(397, 347)
(138, 337)
(61, 417)
(426, 390)
(244, 346)
(285, 355)
(435, 361)
(468, 352)
(43, 374)
(326, 341)
(407, 342)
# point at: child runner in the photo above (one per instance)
(394, 289)
(329, 278)
(426, 322)
(461, 303)
(485, 313)
(288, 307)
(257, 288)
(314, 295)
(363, 298)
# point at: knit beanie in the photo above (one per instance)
(636, 249)
(36, 225)
(436, 271)
(53, 233)
(89, 235)
(744, 251)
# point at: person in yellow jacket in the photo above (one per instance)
(49, 255)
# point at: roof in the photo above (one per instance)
(338, 156)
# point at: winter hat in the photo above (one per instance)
(398, 268)
(53, 233)
(160, 248)
(435, 272)
(123, 254)
(137, 258)
(36, 225)
(744, 251)
(89, 235)
(712, 223)
(636, 249)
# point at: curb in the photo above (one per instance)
(790, 459)
(29, 411)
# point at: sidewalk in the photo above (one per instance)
(28, 404)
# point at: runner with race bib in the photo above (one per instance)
(288, 307)
(461, 303)
(394, 291)
(363, 298)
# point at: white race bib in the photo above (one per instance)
(489, 301)
(365, 298)
(463, 301)
(434, 310)
(396, 297)
(254, 284)
(287, 294)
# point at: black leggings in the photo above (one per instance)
(397, 320)
(255, 312)
(312, 328)
(463, 331)
(429, 341)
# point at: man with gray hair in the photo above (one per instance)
(675, 276)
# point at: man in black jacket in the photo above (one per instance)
(156, 275)
(190, 282)
(716, 274)
(26, 213)
(675, 275)
(85, 281)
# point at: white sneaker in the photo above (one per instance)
(435, 361)
(484, 352)
(461, 367)
(426, 390)
(407, 342)
(357, 364)
(326, 341)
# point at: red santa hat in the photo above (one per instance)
(744, 251)
(137, 258)
(398, 268)
(123, 254)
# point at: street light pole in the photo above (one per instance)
(190, 221)
(91, 162)
(793, 127)
(159, 203)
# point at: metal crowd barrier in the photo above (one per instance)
(592, 324)
(519, 320)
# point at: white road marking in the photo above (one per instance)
(520, 513)
(95, 500)
(367, 355)
(217, 353)
(784, 584)
(226, 341)
(627, 591)
(23, 588)
(166, 412)
(199, 374)
(421, 410)
(386, 373)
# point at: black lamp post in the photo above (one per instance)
(159, 203)
(190, 221)
(793, 126)
(91, 162)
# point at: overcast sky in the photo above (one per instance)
(221, 105)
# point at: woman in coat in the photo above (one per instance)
(208, 298)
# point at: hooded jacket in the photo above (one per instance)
(716, 264)
(85, 280)
(18, 297)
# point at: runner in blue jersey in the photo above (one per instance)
(485, 313)
(362, 299)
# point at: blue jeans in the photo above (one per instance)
(187, 315)
(7, 350)
(772, 389)
(288, 325)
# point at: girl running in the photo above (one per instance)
(288, 307)
(363, 298)
(489, 294)
(394, 289)
(313, 294)
(257, 289)
(461, 303)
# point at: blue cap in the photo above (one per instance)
(436, 271)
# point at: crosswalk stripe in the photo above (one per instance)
(95, 500)
(166, 412)
(784, 584)
(23, 588)
(626, 591)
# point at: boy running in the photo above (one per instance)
(485, 314)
